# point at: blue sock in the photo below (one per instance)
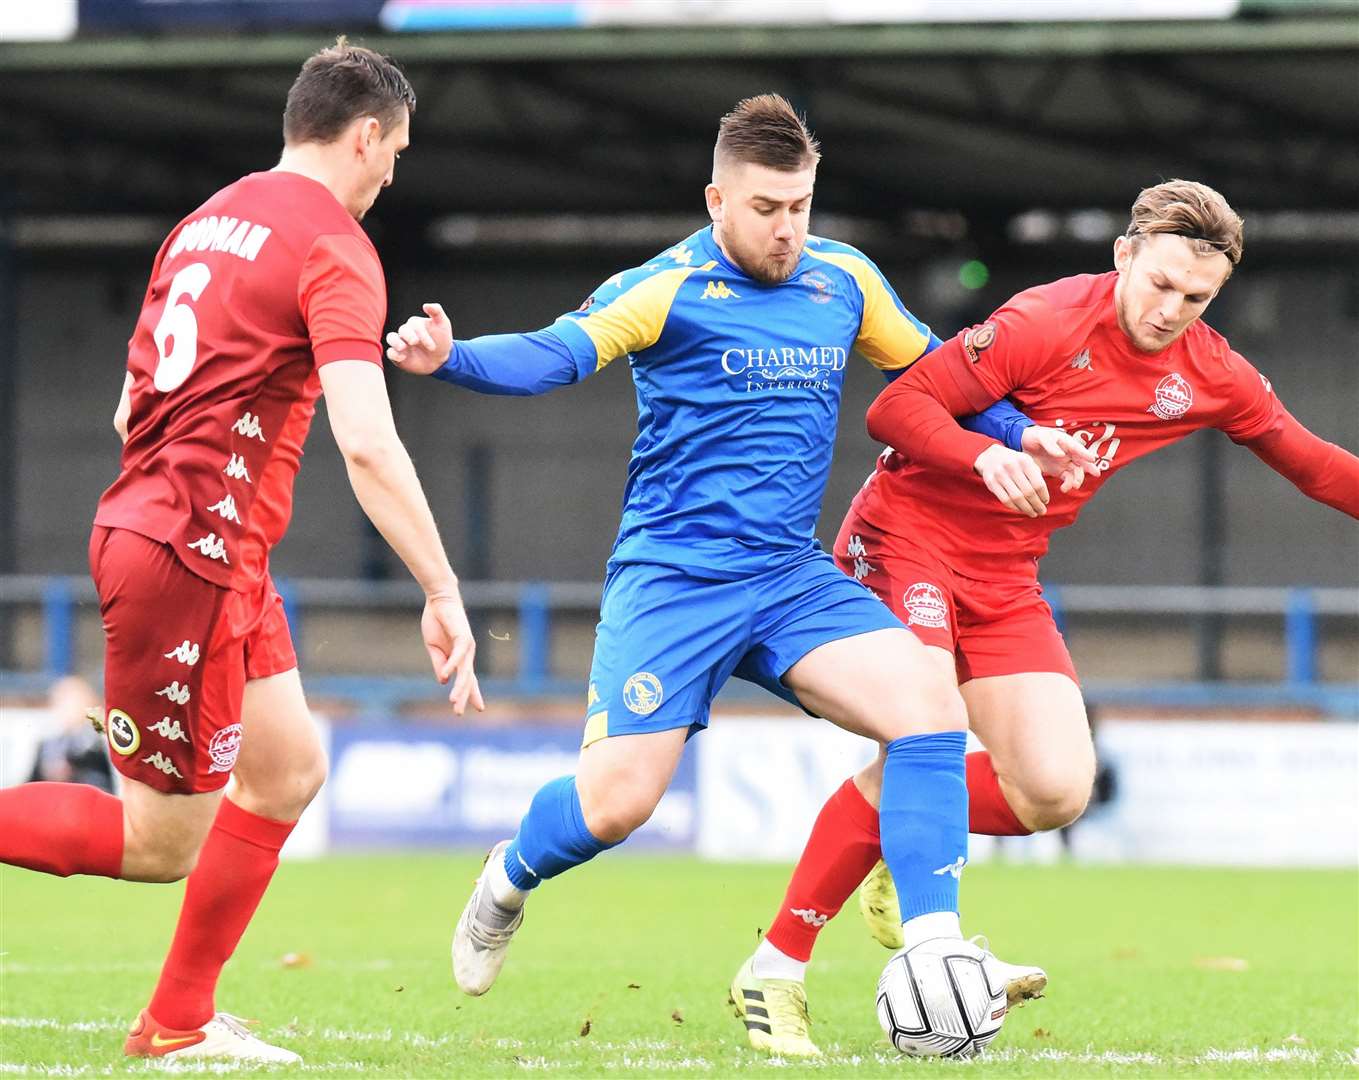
(923, 820)
(553, 836)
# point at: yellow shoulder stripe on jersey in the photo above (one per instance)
(635, 320)
(887, 338)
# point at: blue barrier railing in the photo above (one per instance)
(537, 604)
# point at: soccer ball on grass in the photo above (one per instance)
(937, 999)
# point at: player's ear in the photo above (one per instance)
(713, 195)
(369, 133)
(1122, 253)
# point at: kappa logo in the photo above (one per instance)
(163, 763)
(953, 869)
(977, 340)
(224, 748)
(1269, 386)
(592, 696)
(822, 290)
(925, 606)
(718, 290)
(1081, 361)
(225, 507)
(176, 693)
(681, 253)
(235, 468)
(211, 546)
(810, 916)
(858, 553)
(124, 738)
(186, 652)
(1174, 396)
(642, 693)
(248, 426)
(169, 729)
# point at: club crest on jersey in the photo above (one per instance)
(642, 693)
(820, 288)
(224, 748)
(124, 736)
(1174, 396)
(977, 340)
(925, 606)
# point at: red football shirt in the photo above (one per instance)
(1058, 353)
(249, 296)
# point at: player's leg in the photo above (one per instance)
(651, 681)
(277, 765)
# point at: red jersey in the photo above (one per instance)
(249, 296)
(1058, 353)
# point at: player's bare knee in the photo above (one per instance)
(1053, 802)
(931, 704)
(614, 820)
(163, 862)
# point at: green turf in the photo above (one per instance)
(1145, 966)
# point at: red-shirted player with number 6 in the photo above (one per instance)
(1119, 360)
(260, 300)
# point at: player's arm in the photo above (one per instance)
(342, 298)
(1319, 469)
(124, 410)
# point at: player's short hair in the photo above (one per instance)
(1192, 210)
(338, 85)
(766, 130)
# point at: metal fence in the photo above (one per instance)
(538, 605)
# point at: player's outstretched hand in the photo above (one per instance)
(1013, 478)
(1059, 453)
(421, 344)
(452, 648)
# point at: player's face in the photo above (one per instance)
(380, 153)
(1164, 284)
(761, 217)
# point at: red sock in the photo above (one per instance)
(987, 811)
(234, 868)
(62, 829)
(842, 849)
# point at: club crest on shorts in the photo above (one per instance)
(1174, 395)
(642, 693)
(124, 735)
(224, 748)
(925, 606)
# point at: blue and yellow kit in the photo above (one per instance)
(716, 569)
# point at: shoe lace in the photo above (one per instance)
(489, 936)
(787, 1007)
(982, 942)
(234, 1024)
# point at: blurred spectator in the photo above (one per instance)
(76, 754)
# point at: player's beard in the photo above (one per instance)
(762, 268)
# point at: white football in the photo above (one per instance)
(937, 999)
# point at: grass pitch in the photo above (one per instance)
(622, 970)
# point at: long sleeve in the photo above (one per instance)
(519, 364)
(1002, 422)
(1321, 470)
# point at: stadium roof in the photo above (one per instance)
(992, 119)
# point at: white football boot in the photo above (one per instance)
(224, 1036)
(483, 933)
(881, 910)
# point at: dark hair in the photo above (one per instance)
(1192, 210)
(765, 130)
(339, 84)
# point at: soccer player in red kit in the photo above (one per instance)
(260, 300)
(1119, 360)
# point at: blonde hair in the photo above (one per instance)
(1192, 210)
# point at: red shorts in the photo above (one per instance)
(178, 651)
(991, 627)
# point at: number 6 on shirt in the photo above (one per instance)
(178, 327)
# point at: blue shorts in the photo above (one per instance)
(667, 640)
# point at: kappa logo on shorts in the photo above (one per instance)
(124, 737)
(642, 693)
(186, 652)
(925, 606)
(175, 692)
(163, 763)
(169, 729)
(856, 551)
(224, 748)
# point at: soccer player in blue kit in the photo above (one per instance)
(738, 338)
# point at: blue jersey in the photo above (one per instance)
(738, 392)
